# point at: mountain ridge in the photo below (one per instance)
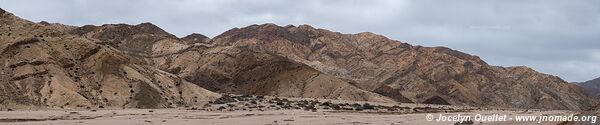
(300, 43)
(303, 61)
(340, 55)
(591, 86)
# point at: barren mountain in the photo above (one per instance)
(226, 69)
(290, 61)
(592, 87)
(46, 67)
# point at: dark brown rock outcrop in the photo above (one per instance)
(242, 59)
(136, 39)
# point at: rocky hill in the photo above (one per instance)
(592, 87)
(225, 69)
(291, 61)
(45, 67)
(398, 70)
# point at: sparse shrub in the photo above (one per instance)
(358, 108)
(356, 105)
(335, 107)
(326, 103)
(280, 103)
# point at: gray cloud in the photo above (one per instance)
(552, 36)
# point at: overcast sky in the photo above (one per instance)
(559, 37)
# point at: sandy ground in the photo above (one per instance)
(199, 117)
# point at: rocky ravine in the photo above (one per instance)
(306, 62)
(46, 67)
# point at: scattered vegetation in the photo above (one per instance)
(261, 103)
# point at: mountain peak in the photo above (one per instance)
(151, 28)
(58, 26)
(269, 32)
(125, 30)
(44, 23)
(269, 25)
(195, 38)
(272, 26)
(148, 25)
(592, 87)
(305, 26)
(264, 27)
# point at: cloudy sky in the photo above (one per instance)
(559, 37)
